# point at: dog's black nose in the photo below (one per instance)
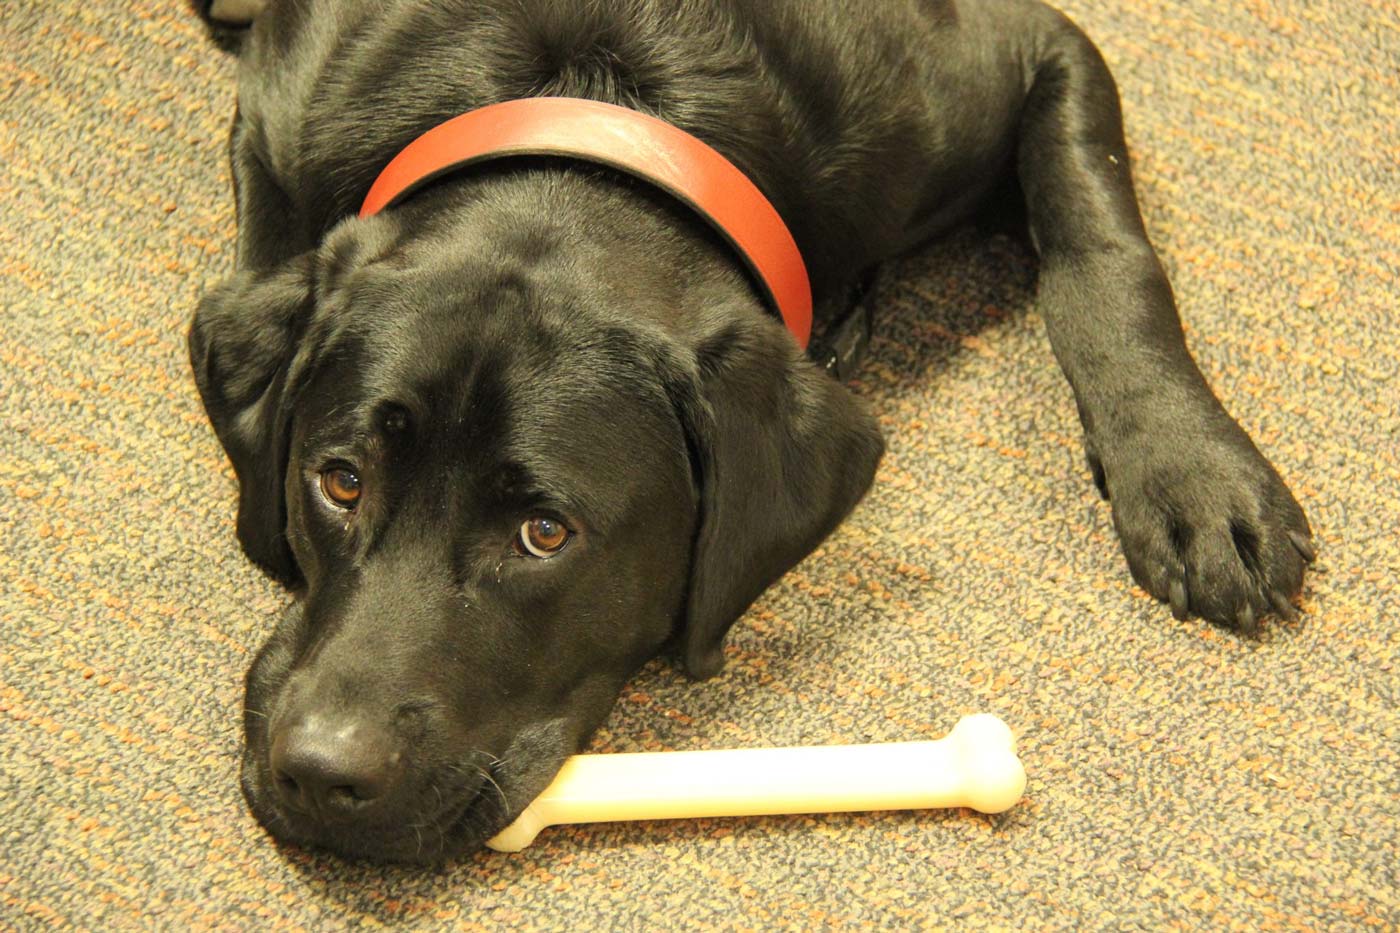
(335, 766)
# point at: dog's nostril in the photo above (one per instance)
(346, 796)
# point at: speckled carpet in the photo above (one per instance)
(1179, 776)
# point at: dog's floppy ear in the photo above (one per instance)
(242, 343)
(783, 454)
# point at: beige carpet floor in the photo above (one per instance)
(1179, 777)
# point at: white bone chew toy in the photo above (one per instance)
(974, 766)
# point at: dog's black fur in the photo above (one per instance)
(546, 339)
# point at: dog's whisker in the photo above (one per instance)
(505, 802)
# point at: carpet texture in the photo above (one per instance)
(1179, 776)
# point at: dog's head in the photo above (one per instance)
(511, 441)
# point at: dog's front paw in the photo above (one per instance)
(1206, 523)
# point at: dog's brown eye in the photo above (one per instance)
(341, 486)
(544, 537)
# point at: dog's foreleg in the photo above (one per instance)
(269, 231)
(1204, 520)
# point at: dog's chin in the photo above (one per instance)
(457, 825)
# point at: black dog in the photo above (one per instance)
(534, 425)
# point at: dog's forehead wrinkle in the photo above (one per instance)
(547, 479)
(354, 244)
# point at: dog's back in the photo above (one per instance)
(836, 117)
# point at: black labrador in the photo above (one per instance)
(519, 434)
